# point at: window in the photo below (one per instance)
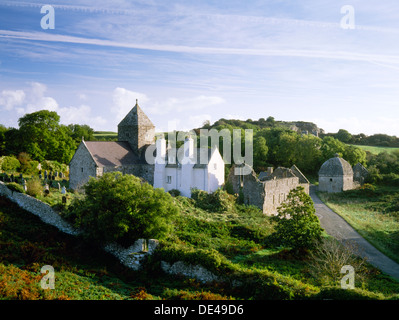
(169, 179)
(82, 169)
(215, 166)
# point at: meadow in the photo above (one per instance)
(373, 212)
(376, 150)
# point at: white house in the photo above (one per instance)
(198, 168)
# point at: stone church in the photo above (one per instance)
(136, 133)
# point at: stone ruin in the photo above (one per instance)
(270, 189)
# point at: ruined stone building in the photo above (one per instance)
(337, 175)
(127, 155)
(270, 190)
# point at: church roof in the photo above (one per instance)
(336, 167)
(136, 117)
(112, 153)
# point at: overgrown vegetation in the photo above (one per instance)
(235, 242)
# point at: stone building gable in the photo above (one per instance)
(82, 167)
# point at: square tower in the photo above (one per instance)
(136, 129)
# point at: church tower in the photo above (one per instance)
(137, 129)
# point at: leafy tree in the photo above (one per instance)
(343, 136)
(354, 155)
(309, 154)
(122, 208)
(42, 136)
(330, 146)
(260, 153)
(77, 131)
(297, 224)
(3, 131)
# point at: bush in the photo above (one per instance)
(15, 187)
(122, 208)
(329, 256)
(297, 225)
(34, 187)
(218, 201)
(174, 192)
(10, 164)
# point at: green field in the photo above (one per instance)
(376, 150)
(373, 212)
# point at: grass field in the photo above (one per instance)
(376, 150)
(373, 213)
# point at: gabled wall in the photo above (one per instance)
(81, 167)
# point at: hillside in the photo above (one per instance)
(229, 240)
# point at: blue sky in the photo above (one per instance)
(191, 61)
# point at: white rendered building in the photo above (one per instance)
(198, 168)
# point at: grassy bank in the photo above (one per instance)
(373, 212)
(232, 241)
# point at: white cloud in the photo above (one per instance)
(10, 99)
(184, 104)
(124, 100)
(356, 125)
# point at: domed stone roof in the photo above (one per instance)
(336, 167)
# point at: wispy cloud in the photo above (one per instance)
(336, 55)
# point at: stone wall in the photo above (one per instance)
(130, 257)
(268, 194)
(38, 208)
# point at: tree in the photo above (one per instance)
(42, 136)
(297, 225)
(343, 136)
(122, 208)
(260, 153)
(3, 131)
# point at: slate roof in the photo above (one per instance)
(112, 153)
(136, 117)
(336, 167)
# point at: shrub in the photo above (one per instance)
(122, 208)
(34, 187)
(297, 225)
(15, 187)
(218, 201)
(10, 164)
(329, 256)
(174, 192)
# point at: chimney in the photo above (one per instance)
(269, 171)
(188, 149)
(161, 150)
